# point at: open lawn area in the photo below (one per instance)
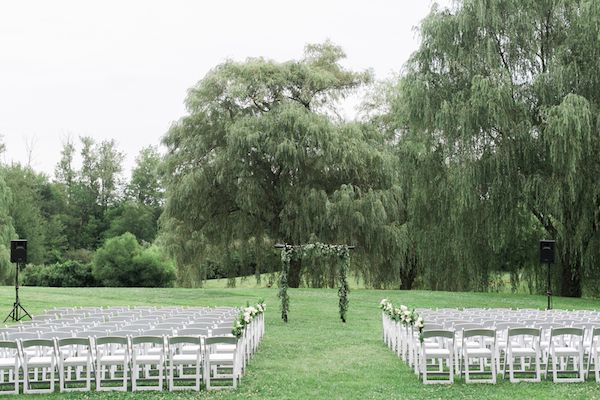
(315, 355)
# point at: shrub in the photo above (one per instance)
(153, 269)
(121, 261)
(67, 274)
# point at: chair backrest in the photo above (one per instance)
(8, 344)
(567, 331)
(432, 326)
(172, 340)
(467, 333)
(569, 336)
(147, 321)
(37, 343)
(90, 333)
(56, 334)
(523, 331)
(192, 332)
(147, 340)
(158, 332)
(200, 325)
(136, 327)
(221, 331)
(74, 341)
(125, 332)
(21, 335)
(169, 325)
(438, 333)
(92, 319)
(111, 340)
(211, 340)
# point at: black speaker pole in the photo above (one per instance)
(549, 292)
(14, 314)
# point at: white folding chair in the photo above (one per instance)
(479, 346)
(147, 353)
(523, 345)
(10, 363)
(39, 365)
(182, 363)
(112, 359)
(218, 365)
(74, 358)
(566, 344)
(442, 354)
(594, 354)
(198, 332)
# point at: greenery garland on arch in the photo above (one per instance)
(289, 252)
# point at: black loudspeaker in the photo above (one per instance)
(547, 251)
(18, 251)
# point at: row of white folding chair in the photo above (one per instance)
(147, 311)
(394, 334)
(523, 350)
(113, 356)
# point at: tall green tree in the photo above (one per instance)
(262, 155)
(7, 231)
(508, 101)
(145, 185)
(25, 209)
(109, 167)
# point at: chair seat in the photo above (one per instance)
(523, 352)
(112, 359)
(184, 359)
(225, 348)
(221, 358)
(437, 352)
(478, 352)
(566, 351)
(75, 361)
(190, 348)
(8, 362)
(39, 362)
(148, 359)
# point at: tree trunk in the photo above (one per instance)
(570, 283)
(294, 273)
(408, 274)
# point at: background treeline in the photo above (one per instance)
(485, 143)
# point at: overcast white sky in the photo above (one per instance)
(120, 69)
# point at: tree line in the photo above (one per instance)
(483, 145)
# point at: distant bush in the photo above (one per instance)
(121, 261)
(153, 269)
(67, 274)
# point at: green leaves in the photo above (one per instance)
(260, 155)
(505, 103)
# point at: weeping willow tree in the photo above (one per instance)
(263, 156)
(505, 104)
(7, 233)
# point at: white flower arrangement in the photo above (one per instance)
(403, 314)
(245, 317)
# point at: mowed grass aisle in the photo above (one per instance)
(315, 356)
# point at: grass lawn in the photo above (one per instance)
(315, 355)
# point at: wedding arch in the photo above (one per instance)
(294, 252)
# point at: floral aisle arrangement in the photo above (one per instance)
(246, 316)
(404, 315)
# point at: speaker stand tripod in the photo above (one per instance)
(17, 307)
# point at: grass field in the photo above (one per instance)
(315, 356)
